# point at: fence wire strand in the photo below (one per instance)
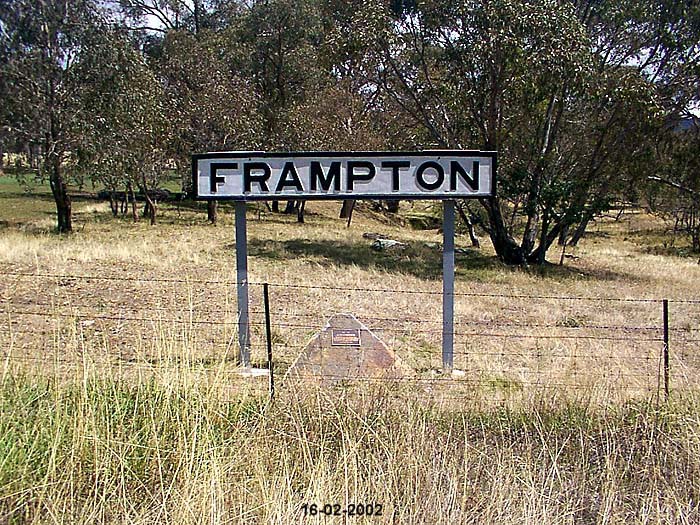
(625, 354)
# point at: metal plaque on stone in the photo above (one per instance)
(345, 337)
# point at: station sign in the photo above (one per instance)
(249, 176)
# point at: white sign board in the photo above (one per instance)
(352, 175)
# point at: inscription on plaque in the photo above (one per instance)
(345, 337)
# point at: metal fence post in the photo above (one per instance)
(666, 349)
(268, 330)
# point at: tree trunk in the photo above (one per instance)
(504, 244)
(533, 215)
(212, 209)
(470, 226)
(30, 156)
(546, 241)
(113, 205)
(60, 193)
(346, 210)
(530, 233)
(472, 235)
(123, 202)
(580, 230)
(549, 133)
(563, 235)
(392, 205)
(63, 203)
(150, 210)
(59, 190)
(132, 195)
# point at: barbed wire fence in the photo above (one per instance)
(503, 342)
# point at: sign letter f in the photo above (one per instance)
(214, 179)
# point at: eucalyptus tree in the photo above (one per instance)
(567, 92)
(647, 69)
(278, 43)
(674, 187)
(351, 50)
(164, 27)
(163, 16)
(488, 75)
(42, 43)
(212, 106)
(127, 137)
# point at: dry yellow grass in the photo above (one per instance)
(174, 449)
(121, 402)
(322, 267)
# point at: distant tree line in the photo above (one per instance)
(586, 101)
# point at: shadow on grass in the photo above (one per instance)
(47, 197)
(416, 259)
(257, 210)
(22, 209)
(597, 234)
(571, 271)
(33, 196)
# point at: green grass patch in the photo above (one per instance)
(24, 200)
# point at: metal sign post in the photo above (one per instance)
(448, 284)
(242, 283)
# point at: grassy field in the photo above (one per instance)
(122, 402)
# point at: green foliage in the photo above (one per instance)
(673, 190)
(127, 136)
(212, 105)
(281, 40)
(42, 45)
(570, 94)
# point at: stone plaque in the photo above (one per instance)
(345, 350)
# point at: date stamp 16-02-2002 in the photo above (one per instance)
(336, 509)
